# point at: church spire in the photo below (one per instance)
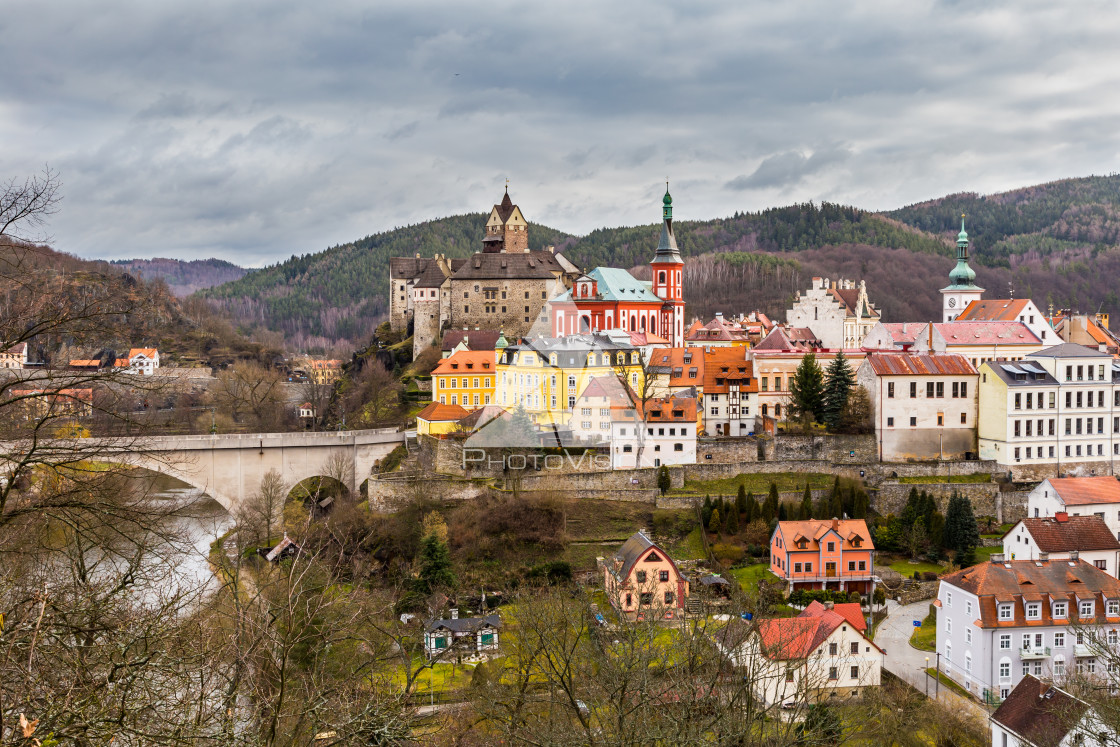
(667, 250)
(962, 276)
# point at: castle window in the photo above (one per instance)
(661, 277)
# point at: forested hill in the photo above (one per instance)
(340, 294)
(183, 277)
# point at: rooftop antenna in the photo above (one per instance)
(1011, 290)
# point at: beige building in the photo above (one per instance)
(925, 406)
(1055, 410)
(642, 582)
(839, 312)
(14, 357)
(773, 370)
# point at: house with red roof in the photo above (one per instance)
(978, 341)
(14, 356)
(1063, 537)
(439, 419)
(824, 554)
(642, 582)
(1078, 496)
(1010, 310)
(820, 654)
(1090, 331)
(925, 406)
(1038, 713)
(718, 333)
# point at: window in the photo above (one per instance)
(862, 564)
(890, 422)
(833, 673)
(929, 390)
(890, 389)
(968, 663)
(1005, 640)
(789, 674)
(640, 577)
(1005, 612)
(663, 576)
(1112, 606)
(1059, 666)
(851, 565)
(832, 547)
(646, 598)
(1085, 608)
(1005, 669)
(1034, 610)
(968, 636)
(797, 568)
(808, 567)
(855, 647)
(1059, 640)
(668, 598)
(913, 422)
(855, 672)
(913, 390)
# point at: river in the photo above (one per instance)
(198, 520)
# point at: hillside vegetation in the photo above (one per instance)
(183, 277)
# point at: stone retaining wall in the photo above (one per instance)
(987, 499)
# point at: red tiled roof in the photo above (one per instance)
(785, 638)
(1074, 533)
(986, 333)
(733, 359)
(1039, 712)
(466, 361)
(911, 364)
(146, 352)
(850, 611)
(664, 409)
(673, 359)
(994, 310)
(1084, 491)
(439, 412)
(903, 332)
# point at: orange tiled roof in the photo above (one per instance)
(1083, 491)
(994, 310)
(738, 367)
(1052, 534)
(436, 412)
(81, 363)
(466, 361)
(673, 359)
(664, 409)
(850, 611)
(912, 364)
(146, 352)
(814, 529)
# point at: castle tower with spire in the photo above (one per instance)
(668, 272)
(506, 228)
(962, 289)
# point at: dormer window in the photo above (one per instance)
(1060, 609)
(856, 541)
(1034, 610)
(1005, 611)
(1112, 607)
(1085, 608)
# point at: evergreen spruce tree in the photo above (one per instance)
(961, 531)
(714, 523)
(741, 499)
(770, 507)
(912, 512)
(928, 509)
(936, 531)
(732, 523)
(754, 511)
(806, 505)
(706, 510)
(838, 384)
(783, 515)
(435, 565)
(806, 389)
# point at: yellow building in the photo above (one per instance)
(438, 420)
(546, 375)
(324, 371)
(465, 378)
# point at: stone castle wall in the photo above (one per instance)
(467, 307)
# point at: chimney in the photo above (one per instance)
(1074, 555)
(1044, 556)
(719, 316)
(454, 613)
(835, 523)
(829, 605)
(1061, 517)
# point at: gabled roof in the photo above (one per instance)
(465, 624)
(795, 338)
(739, 369)
(609, 387)
(986, 333)
(146, 352)
(18, 349)
(912, 364)
(502, 266)
(469, 362)
(483, 416)
(814, 529)
(436, 412)
(1039, 713)
(477, 339)
(850, 611)
(994, 310)
(903, 333)
(633, 550)
(1072, 533)
(1083, 491)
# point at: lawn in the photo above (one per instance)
(689, 547)
(440, 677)
(932, 479)
(757, 483)
(947, 681)
(906, 568)
(984, 554)
(750, 575)
(925, 637)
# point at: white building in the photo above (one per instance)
(474, 637)
(1078, 496)
(14, 357)
(1002, 620)
(1011, 310)
(819, 654)
(924, 405)
(143, 361)
(838, 312)
(1058, 407)
(1040, 714)
(1064, 537)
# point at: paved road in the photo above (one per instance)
(902, 659)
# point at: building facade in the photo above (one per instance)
(838, 312)
(925, 406)
(730, 393)
(14, 356)
(608, 298)
(824, 554)
(1057, 409)
(465, 378)
(1078, 496)
(643, 583)
(1004, 619)
(1064, 537)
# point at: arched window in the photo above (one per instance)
(643, 324)
(661, 277)
(584, 324)
(764, 409)
(633, 322)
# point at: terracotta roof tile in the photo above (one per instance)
(1039, 713)
(1083, 491)
(437, 412)
(814, 529)
(912, 364)
(466, 362)
(1073, 533)
(994, 310)
(986, 333)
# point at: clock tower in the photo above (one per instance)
(962, 289)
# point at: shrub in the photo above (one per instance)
(670, 523)
(929, 575)
(393, 459)
(554, 572)
(730, 553)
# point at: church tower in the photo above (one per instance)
(962, 289)
(668, 268)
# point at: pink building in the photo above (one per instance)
(824, 554)
(643, 583)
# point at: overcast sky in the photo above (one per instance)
(251, 131)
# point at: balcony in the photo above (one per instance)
(1028, 654)
(1082, 651)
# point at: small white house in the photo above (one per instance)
(143, 361)
(1078, 496)
(471, 637)
(14, 357)
(1064, 537)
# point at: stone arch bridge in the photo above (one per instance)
(229, 467)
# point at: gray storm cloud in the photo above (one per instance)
(252, 131)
